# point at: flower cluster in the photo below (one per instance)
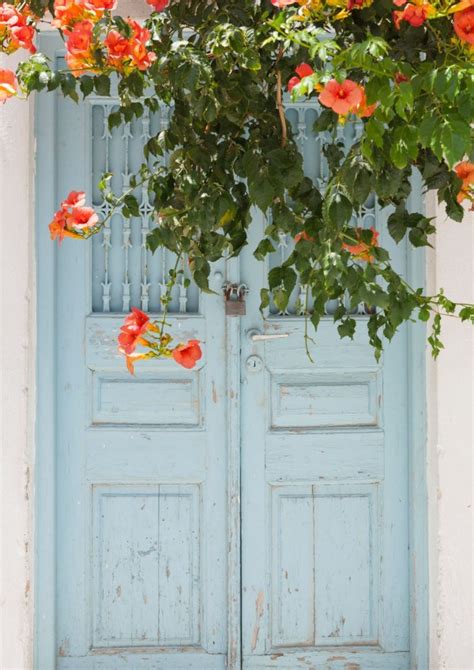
(129, 52)
(312, 8)
(17, 28)
(68, 13)
(123, 52)
(139, 330)
(415, 13)
(73, 219)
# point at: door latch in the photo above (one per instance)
(234, 296)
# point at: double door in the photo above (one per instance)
(249, 513)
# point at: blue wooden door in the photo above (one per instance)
(249, 513)
(140, 462)
(325, 556)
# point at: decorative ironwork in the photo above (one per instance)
(302, 116)
(125, 273)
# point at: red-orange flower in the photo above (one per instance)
(9, 15)
(100, 5)
(141, 58)
(415, 15)
(358, 4)
(79, 56)
(304, 236)
(187, 354)
(16, 29)
(74, 199)
(73, 219)
(303, 70)
(465, 171)
(341, 98)
(464, 25)
(125, 51)
(117, 46)
(400, 78)
(8, 84)
(363, 109)
(69, 12)
(22, 36)
(58, 230)
(82, 218)
(80, 38)
(158, 5)
(130, 359)
(361, 250)
(135, 325)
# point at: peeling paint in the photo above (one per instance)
(64, 648)
(258, 616)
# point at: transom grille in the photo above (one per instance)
(302, 116)
(125, 273)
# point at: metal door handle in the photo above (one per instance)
(256, 336)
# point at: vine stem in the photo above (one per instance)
(167, 296)
(281, 111)
(307, 338)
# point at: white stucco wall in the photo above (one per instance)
(17, 344)
(450, 420)
(450, 386)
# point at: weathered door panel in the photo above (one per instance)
(324, 494)
(140, 461)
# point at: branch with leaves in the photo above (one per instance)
(402, 71)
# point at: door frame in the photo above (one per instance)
(45, 440)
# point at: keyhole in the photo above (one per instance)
(254, 364)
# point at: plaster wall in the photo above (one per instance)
(450, 397)
(449, 401)
(17, 350)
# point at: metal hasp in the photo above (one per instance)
(234, 295)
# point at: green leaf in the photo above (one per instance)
(426, 129)
(397, 226)
(264, 299)
(281, 298)
(86, 85)
(347, 328)
(115, 120)
(132, 205)
(102, 85)
(339, 209)
(264, 247)
(455, 140)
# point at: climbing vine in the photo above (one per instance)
(402, 70)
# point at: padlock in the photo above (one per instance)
(235, 300)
